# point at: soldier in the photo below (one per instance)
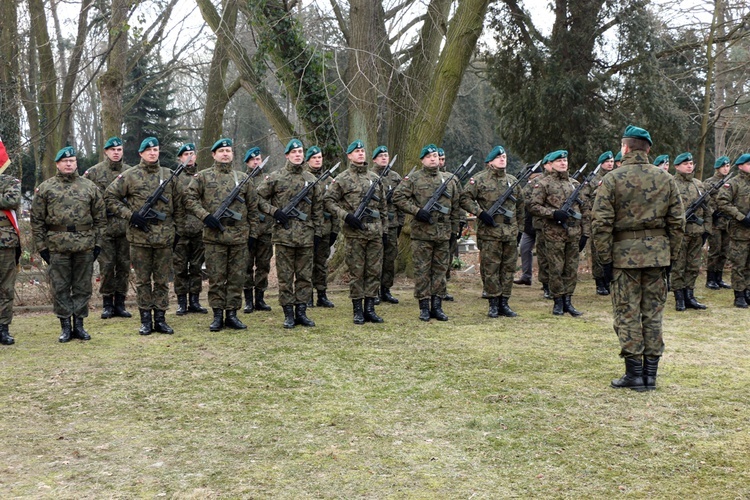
(226, 240)
(498, 235)
(114, 259)
(151, 240)
(734, 201)
(10, 249)
(380, 159)
(330, 231)
(67, 219)
(261, 250)
(365, 237)
(294, 238)
(430, 232)
(618, 159)
(529, 236)
(686, 265)
(637, 230)
(607, 163)
(462, 221)
(541, 248)
(662, 162)
(718, 243)
(564, 236)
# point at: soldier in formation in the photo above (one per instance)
(607, 162)
(261, 249)
(380, 159)
(537, 224)
(529, 236)
(662, 162)
(718, 243)
(329, 234)
(10, 250)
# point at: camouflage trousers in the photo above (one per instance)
(259, 263)
(739, 256)
(541, 257)
(390, 253)
(638, 297)
(596, 265)
(431, 260)
(294, 270)
(8, 273)
(225, 265)
(452, 247)
(498, 264)
(114, 265)
(364, 259)
(320, 263)
(685, 267)
(562, 265)
(718, 248)
(187, 258)
(152, 269)
(70, 277)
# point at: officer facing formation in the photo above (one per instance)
(67, 219)
(380, 160)
(114, 259)
(151, 240)
(365, 237)
(718, 243)
(329, 233)
(261, 249)
(10, 250)
(607, 162)
(497, 235)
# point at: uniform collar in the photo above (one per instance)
(497, 172)
(561, 175)
(685, 177)
(114, 165)
(360, 169)
(149, 167)
(295, 169)
(634, 157)
(431, 171)
(224, 168)
(67, 177)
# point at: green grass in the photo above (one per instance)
(472, 408)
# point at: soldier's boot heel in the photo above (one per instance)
(218, 323)
(260, 304)
(601, 287)
(108, 307)
(504, 309)
(691, 301)
(357, 311)
(65, 330)
(323, 299)
(300, 316)
(288, 316)
(78, 331)
(232, 321)
(493, 311)
(387, 296)
(424, 309)
(679, 300)
(547, 293)
(720, 281)
(248, 309)
(146, 327)
(711, 280)
(5, 337)
(160, 322)
(558, 309)
(739, 300)
(120, 310)
(569, 308)
(194, 304)
(650, 367)
(437, 309)
(182, 307)
(370, 314)
(633, 378)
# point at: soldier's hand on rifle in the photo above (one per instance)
(44, 254)
(609, 271)
(423, 216)
(139, 221)
(332, 239)
(354, 222)
(560, 215)
(97, 251)
(212, 222)
(281, 217)
(582, 242)
(487, 219)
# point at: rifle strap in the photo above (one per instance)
(161, 176)
(236, 182)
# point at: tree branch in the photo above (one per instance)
(341, 21)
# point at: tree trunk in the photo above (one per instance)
(9, 98)
(698, 173)
(362, 72)
(112, 81)
(720, 86)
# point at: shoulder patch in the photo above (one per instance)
(268, 177)
(727, 185)
(195, 174)
(36, 190)
(536, 185)
(471, 181)
(119, 176)
(86, 173)
(600, 183)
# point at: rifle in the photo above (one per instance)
(223, 211)
(389, 195)
(362, 209)
(462, 178)
(497, 207)
(291, 208)
(567, 207)
(580, 171)
(432, 204)
(147, 211)
(700, 202)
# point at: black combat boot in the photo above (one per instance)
(146, 327)
(385, 295)
(108, 307)
(300, 316)
(120, 310)
(377, 300)
(448, 297)
(650, 366)
(436, 311)
(747, 296)
(633, 378)
(679, 300)
(505, 309)
(65, 331)
(218, 323)
(568, 307)
(739, 300)
(194, 305)
(160, 322)
(288, 315)
(370, 314)
(720, 281)
(260, 304)
(310, 301)
(601, 287)
(559, 308)
(493, 312)
(711, 280)
(78, 331)
(232, 321)
(323, 299)
(424, 309)
(359, 315)
(547, 293)
(182, 307)
(5, 337)
(248, 301)
(690, 300)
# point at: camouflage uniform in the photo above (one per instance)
(718, 243)
(734, 201)
(541, 249)
(687, 264)
(395, 221)
(189, 253)
(67, 218)
(331, 224)
(260, 253)
(10, 246)
(589, 193)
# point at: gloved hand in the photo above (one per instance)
(518, 238)
(398, 231)
(281, 217)
(251, 243)
(746, 221)
(176, 241)
(560, 215)
(97, 251)
(316, 242)
(332, 239)
(19, 252)
(487, 219)
(582, 242)
(212, 222)
(609, 270)
(139, 221)
(385, 240)
(453, 239)
(705, 236)
(354, 222)
(423, 216)
(44, 254)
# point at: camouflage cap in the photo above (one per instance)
(355, 145)
(605, 156)
(251, 153)
(293, 144)
(428, 149)
(634, 132)
(148, 142)
(618, 156)
(185, 148)
(66, 152)
(661, 159)
(682, 158)
(378, 150)
(113, 142)
(311, 151)
(221, 143)
(556, 155)
(742, 159)
(496, 151)
(721, 161)
(441, 152)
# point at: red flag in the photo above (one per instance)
(4, 160)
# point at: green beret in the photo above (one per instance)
(496, 151)
(637, 133)
(742, 159)
(682, 158)
(618, 156)
(430, 148)
(148, 142)
(661, 159)
(311, 151)
(378, 150)
(66, 152)
(721, 161)
(185, 148)
(221, 143)
(293, 144)
(251, 153)
(441, 152)
(112, 142)
(355, 145)
(545, 160)
(555, 155)
(604, 157)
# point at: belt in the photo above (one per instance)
(69, 229)
(5, 223)
(637, 235)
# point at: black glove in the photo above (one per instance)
(175, 241)
(385, 240)
(518, 238)
(423, 216)
(398, 231)
(609, 270)
(18, 254)
(45, 255)
(212, 222)
(705, 237)
(281, 217)
(316, 242)
(746, 221)
(487, 219)
(97, 251)
(560, 215)
(453, 239)
(353, 222)
(582, 242)
(332, 239)
(139, 221)
(251, 243)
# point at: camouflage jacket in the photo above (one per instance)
(189, 226)
(331, 221)
(10, 199)
(415, 191)
(208, 189)
(690, 190)
(67, 200)
(483, 191)
(102, 174)
(536, 221)
(631, 199)
(265, 222)
(277, 189)
(588, 193)
(128, 193)
(345, 195)
(719, 219)
(390, 182)
(549, 194)
(734, 201)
